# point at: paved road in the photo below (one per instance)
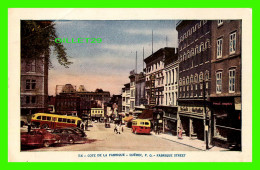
(104, 139)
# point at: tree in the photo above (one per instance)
(37, 38)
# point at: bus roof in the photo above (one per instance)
(61, 116)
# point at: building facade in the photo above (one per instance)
(126, 99)
(226, 82)
(169, 107)
(132, 91)
(194, 39)
(154, 88)
(34, 86)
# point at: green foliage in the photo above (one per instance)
(37, 38)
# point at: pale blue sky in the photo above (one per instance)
(107, 65)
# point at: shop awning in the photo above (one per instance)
(146, 114)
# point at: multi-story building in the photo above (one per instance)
(194, 39)
(34, 86)
(126, 99)
(169, 107)
(67, 102)
(140, 90)
(226, 82)
(154, 88)
(132, 91)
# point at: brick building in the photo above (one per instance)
(226, 82)
(194, 38)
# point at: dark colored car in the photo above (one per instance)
(39, 137)
(107, 125)
(68, 135)
(79, 131)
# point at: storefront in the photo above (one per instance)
(227, 122)
(170, 119)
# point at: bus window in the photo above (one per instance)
(44, 117)
(72, 121)
(141, 123)
(68, 121)
(48, 118)
(64, 120)
(146, 123)
(54, 119)
(60, 120)
(39, 117)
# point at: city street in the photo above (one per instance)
(104, 139)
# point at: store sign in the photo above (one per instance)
(223, 104)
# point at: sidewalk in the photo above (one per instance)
(194, 143)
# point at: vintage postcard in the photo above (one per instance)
(130, 85)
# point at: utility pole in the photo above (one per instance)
(152, 41)
(143, 58)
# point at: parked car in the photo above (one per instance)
(107, 125)
(68, 135)
(39, 137)
(79, 131)
(95, 121)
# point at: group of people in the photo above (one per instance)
(118, 129)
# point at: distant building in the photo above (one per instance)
(132, 91)
(126, 99)
(97, 114)
(34, 86)
(67, 101)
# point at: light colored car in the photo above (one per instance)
(95, 121)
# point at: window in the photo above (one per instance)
(219, 82)
(206, 75)
(220, 22)
(187, 80)
(31, 65)
(232, 74)
(48, 118)
(219, 47)
(180, 82)
(201, 77)
(59, 119)
(232, 43)
(196, 78)
(39, 117)
(44, 118)
(30, 99)
(183, 81)
(191, 79)
(30, 84)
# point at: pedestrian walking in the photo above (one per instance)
(179, 133)
(118, 129)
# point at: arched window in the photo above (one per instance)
(187, 80)
(196, 78)
(191, 79)
(201, 77)
(206, 75)
(202, 46)
(183, 81)
(180, 82)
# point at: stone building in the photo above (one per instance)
(34, 86)
(226, 82)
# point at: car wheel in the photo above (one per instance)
(45, 126)
(71, 141)
(46, 144)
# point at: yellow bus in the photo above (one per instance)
(46, 120)
(141, 126)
